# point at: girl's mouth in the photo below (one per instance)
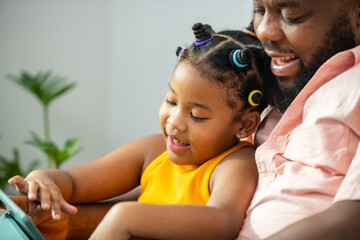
(176, 145)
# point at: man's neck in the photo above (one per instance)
(266, 126)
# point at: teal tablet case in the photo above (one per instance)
(15, 224)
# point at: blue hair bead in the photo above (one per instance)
(235, 60)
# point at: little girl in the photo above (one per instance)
(197, 178)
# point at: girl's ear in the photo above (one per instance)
(249, 122)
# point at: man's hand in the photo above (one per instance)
(49, 228)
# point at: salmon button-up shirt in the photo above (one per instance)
(311, 158)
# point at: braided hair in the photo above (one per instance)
(233, 59)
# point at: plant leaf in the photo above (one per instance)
(44, 85)
(57, 155)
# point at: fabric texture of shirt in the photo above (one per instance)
(311, 159)
(164, 182)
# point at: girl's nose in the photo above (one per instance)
(177, 121)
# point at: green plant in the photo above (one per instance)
(47, 87)
(11, 167)
(56, 155)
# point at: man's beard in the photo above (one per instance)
(340, 37)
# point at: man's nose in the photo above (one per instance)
(269, 27)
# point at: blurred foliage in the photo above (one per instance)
(10, 167)
(43, 85)
(47, 87)
(56, 155)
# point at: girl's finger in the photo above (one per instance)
(15, 179)
(21, 185)
(33, 189)
(45, 197)
(68, 208)
(55, 203)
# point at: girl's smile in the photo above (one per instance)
(177, 146)
(196, 121)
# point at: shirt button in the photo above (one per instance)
(279, 139)
(266, 180)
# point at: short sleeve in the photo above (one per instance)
(350, 187)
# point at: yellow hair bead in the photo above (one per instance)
(252, 103)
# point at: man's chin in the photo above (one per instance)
(285, 82)
(288, 88)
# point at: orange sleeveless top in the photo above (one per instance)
(164, 182)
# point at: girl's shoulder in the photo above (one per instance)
(237, 165)
(153, 146)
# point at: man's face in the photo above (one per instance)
(299, 36)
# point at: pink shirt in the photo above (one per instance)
(311, 159)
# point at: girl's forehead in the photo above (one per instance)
(185, 73)
(190, 80)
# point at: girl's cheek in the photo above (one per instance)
(163, 113)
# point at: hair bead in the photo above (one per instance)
(180, 52)
(202, 33)
(255, 97)
(241, 57)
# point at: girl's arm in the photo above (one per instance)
(109, 176)
(232, 185)
(79, 226)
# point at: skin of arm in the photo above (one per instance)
(78, 226)
(232, 185)
(107, 177)
(83, 224)
(340, 221)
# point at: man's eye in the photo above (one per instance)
(292, 20)
(260, 11)
(293, 16)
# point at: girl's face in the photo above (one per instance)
(195, 119)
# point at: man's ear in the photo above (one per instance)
(249, 122)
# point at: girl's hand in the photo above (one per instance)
(38, 187)
(113, 225)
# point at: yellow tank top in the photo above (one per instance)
(164, 182)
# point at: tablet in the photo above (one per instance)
(15, 221)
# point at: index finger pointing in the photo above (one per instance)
(21, 185)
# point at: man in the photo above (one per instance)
(309, 165)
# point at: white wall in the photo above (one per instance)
(120, 53)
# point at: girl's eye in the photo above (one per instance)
(170, 102)
(197, 119)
